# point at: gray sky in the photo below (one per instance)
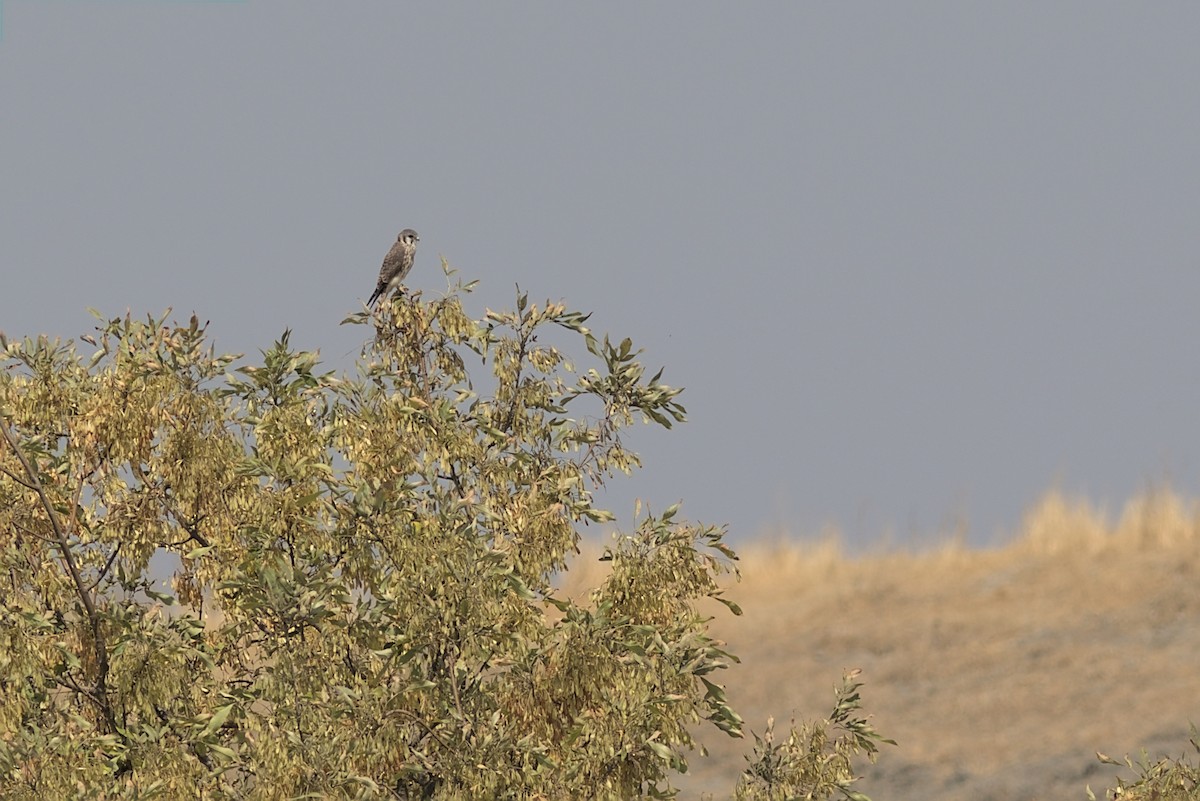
(913, 262)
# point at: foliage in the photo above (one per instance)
(364, 603)
(809, 764)
(1164, 780)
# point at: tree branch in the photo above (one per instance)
(522, 352)
(107, 566)
(17, 479)
(85, 596)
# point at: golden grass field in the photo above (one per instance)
(1000, 673)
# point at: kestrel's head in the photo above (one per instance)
(409, 237)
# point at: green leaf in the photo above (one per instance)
(162, 597)
(228, 753)
(737, 610)
(196, 553)
(660, 750)
(216, 721)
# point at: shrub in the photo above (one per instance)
(811, 763)
(1162, 780)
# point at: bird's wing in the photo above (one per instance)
(393, 264)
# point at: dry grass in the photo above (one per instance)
(999, 672)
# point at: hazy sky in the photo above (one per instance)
(913, 262)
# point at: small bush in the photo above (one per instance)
(1163, 780)
(815, 761)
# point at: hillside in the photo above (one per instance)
(1000, 673)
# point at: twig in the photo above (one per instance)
(107, 566)
(17, 479)
(512, 408)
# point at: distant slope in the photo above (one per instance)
(1000, 673)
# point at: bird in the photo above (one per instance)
(396, 263)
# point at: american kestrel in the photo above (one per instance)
(396, 263)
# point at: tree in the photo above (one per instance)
(363, 604)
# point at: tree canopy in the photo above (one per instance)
(363, 598)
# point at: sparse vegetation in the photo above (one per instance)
(809, 764)
(999, 671)
(1161, 780)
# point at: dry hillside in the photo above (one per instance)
(999, 672)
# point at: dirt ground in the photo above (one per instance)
(999, 673)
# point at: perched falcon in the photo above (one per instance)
(396, 263)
